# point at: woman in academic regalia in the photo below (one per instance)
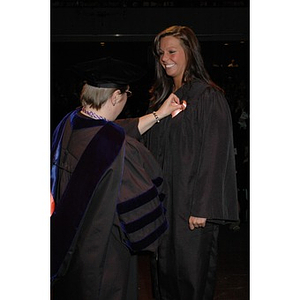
(195, 151)
(107, 188)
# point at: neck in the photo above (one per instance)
(92, 113)
(176, 87)
(177, 83)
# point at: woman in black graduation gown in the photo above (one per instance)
(195, 150)
(107, 188)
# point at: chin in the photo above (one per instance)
(170, 73)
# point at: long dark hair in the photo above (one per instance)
(163, 84)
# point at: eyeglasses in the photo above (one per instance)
(128, 93)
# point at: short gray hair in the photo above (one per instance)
(94, 96)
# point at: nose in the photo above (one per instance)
(164, 57)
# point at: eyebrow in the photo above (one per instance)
(169, 48)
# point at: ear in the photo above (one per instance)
(115, 96)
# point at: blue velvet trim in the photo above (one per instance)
(157, 181)
(142, 244)
(96, 159)
(162, 197)
(144, 221)
(136, 202)
(57, 135)
(78, 122)
(55, 152)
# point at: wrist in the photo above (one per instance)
(156, 117)
(161, 113)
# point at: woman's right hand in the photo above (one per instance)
(171, 104)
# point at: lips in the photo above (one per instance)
(168, 66)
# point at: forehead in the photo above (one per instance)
(169, 42)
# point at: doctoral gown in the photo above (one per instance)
(108, 194)
(195, 151)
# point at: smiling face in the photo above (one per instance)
(172, 58)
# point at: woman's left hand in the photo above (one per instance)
(195, 222)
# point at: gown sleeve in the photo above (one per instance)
(215, 184)
(130, 126)
(140, 204)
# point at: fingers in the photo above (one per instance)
(181, 105)
(192, 227)
(174, 99)
(172, 106)
(195, 223)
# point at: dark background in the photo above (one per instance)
(84, 30)
(216, 55)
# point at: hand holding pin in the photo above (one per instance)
(177, 111)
